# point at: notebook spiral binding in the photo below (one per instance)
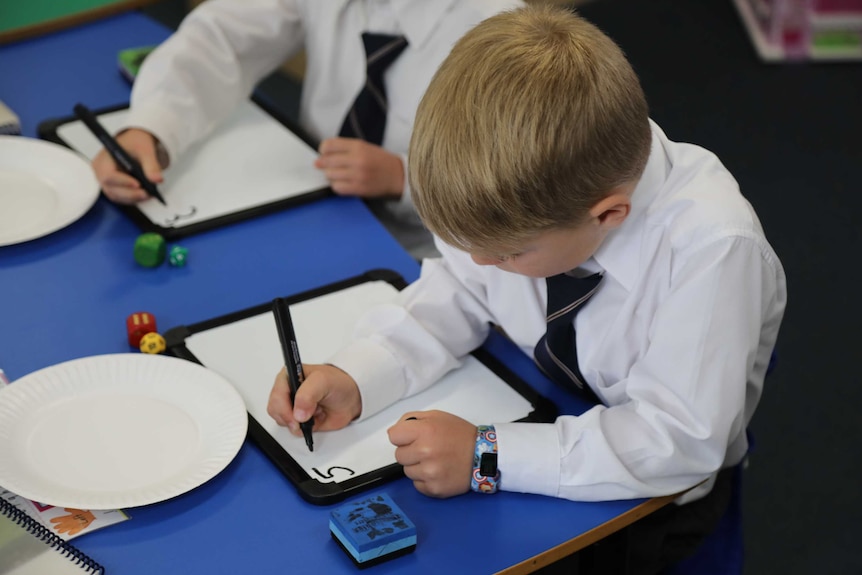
(50, 538)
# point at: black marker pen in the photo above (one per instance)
(295, 374)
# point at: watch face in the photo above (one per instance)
(488, 465)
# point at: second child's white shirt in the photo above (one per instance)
(196, 78)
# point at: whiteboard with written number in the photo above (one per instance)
(252, 163)
(244, 348)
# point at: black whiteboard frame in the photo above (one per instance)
(312, 490)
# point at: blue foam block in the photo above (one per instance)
(372, 530)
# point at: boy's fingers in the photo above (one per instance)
(339, 161)
(309, 396)
(336, 145)
(121, 180)
(404, 432)
(407, 457)
(338, 174)
(279, 406)
(152, 169)
(124, 194)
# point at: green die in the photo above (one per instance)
(150, 250)
(177, 256)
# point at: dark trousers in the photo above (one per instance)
(654, 542)
(674, 532)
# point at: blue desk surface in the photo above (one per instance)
(67, 295)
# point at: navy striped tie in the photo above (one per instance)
(366, 119)
(556, 353)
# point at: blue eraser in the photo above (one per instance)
(372, 530)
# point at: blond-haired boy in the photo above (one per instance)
(533, 156)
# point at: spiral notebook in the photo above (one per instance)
(28, 548)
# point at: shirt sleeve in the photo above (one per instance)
(402, 348)
(689, 395)
(199, 75)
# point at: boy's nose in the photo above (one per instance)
(486, 260)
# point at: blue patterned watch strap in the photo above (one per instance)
(486, 444)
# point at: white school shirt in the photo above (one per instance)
(675, 342)
(197, 77)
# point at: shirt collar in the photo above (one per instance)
(414, 16)
(619, 255)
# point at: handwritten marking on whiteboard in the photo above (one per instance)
(330, 475)
(177, 217)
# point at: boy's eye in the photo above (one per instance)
(509, 256)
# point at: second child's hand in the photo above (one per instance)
(356, 168)
(119, 186)
(124, 160)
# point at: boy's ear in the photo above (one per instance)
(612, 210)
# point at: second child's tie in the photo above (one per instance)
(366, 119)
(556, 353)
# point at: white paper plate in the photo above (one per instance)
(43, 187)
(115, 431)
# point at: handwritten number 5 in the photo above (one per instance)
(329, 474)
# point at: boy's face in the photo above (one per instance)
(548, 253)
(559, 250)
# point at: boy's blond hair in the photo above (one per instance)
(532, 119)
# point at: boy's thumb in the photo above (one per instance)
(151, 167)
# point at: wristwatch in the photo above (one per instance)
(486, 476)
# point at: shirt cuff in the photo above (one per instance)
(379, 377)
(528, 457)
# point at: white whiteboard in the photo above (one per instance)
(250, 160)
(247, 352)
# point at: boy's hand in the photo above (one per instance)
(356, 168)
(436, 450)
(327, 393)
(119, 186)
